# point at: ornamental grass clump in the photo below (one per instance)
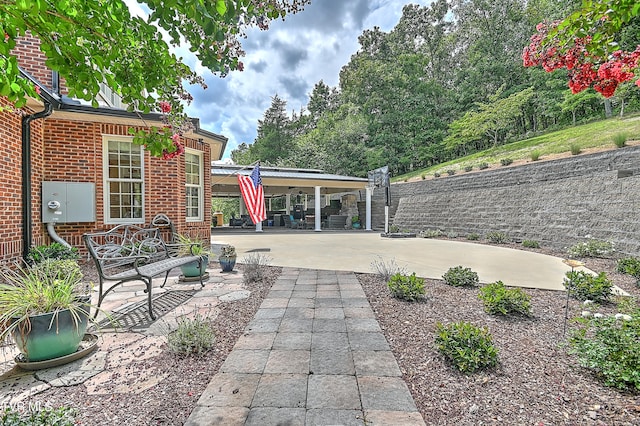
(406, 287)
(459, 276)
(584, 286)
(530, 244)
(386, 269)
(497, 237)
(194, 336)
(500, 300)
(467, 347)
(591, 248)
(255, 267)
(610, 347)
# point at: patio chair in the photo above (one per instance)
(290, 222)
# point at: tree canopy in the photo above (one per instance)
(90, 42)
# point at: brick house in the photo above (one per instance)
(61, 140)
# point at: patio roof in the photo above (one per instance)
(279, 181)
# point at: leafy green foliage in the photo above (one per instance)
(530, 244)
(468, 168)
(431, 233)
(62, 416)
(193, 336)
(506, 161)
(436, 175)
(610, 348)
(451, 172)
(407, 287)
(497, 237)
(584, 286)
(473, 236)
(51, 251)
(459, 276)
(483, 166)
(591, 248)
(500, 300)
(100, 42)
(535, 155)
(630, 266)
(467, 347)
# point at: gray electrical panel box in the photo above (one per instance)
(64, 202)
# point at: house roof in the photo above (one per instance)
(67, 108)
(280, 180)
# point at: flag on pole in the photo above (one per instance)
(253, 194)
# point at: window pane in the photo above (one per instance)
(124, 181)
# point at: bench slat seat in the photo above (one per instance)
(131, 253)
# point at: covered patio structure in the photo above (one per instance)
(279, 181)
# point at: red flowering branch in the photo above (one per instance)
(586, 69)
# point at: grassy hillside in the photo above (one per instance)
(598, 134)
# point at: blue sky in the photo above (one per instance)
(288, 59)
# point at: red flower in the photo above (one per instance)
(165, 107)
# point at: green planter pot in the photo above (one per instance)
(356, 225)
(227, 263)
(51, 335)
(191, 270)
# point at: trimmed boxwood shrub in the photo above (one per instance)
(500, 300)
(467, 347)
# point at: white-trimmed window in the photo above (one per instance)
(123, 180)
(194, 184)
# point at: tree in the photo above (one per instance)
(492, 120)
(585, 44)
(89, 42)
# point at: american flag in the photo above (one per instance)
(253, 195)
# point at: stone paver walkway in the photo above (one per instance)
(314, 354)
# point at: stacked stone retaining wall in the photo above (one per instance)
(557, 203)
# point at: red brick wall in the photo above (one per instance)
(74, 153)
(32, 60)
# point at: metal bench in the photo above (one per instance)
(131, 253)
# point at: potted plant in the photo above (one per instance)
(190, 246)
(227, 258)
(355, 222)
(44, 308)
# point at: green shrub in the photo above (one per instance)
(255, 267)
(193, 336)
(620, 139)
(436, 175)
(467, 347)
(584, 286)
(473, 236)
(394, 229)
(591, 248)
(483, 166)
(51, 251)
(451, 172)
(452, 234)
(535, 155)
(468, 168)
(629, 266)
(506, 161)
(62, 416)
(431, 233)
(610, 347)
(407, 287)
(530, 244)
(575, 149)
(500, 300)
(385, 270)
(459, 276)
(423, 176)
(497, 237)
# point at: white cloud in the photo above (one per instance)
(288, 60)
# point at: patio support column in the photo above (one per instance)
(288, 203)
(318, 210)
(368, 204)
